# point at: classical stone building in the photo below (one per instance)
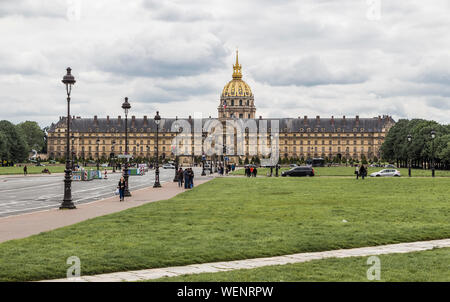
(300, 137)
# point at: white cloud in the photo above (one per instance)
(299, 57)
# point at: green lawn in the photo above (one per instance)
(349, 171)
(31, 169)
(426, 266)
(239, 218)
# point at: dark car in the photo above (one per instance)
(299, 171)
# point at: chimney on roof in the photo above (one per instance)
(357, 121)
(107, 119)
(332, 120)
(343, 120)
(119, 120)
(305, 120)
(317, 120)
(133, 121)
(95, 120)
(145, 121)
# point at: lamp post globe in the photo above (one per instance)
(69, 81)
(126, 107)
(157, 122)
(433, 136)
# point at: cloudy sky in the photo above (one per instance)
(308, 57)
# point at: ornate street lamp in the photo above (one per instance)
(67, 203)
(113, 159)
(203, 165)
(147, 156)
(98, 153)
(433, 136)
(126, 107)
(157, 122)
(409, 137)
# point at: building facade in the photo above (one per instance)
(301, 137)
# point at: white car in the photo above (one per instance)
(386, 172)
(168, 166)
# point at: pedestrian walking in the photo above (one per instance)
(362, 171)
(25, 170)
(255, 171)
(191, 178)
(357, 171)
(180, 177)
(186, 178)
(106, 174)
(121, 188)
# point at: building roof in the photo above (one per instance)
(290, 125)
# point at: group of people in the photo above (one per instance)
(185, 176)
(250, 171)
(360, 171)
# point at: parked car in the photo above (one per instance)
(105, 165)
(299, 171)
(386, 172)
(390, 166)
(168, 166)
(293, 165)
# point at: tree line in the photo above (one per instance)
(422, 149)
(17, 141)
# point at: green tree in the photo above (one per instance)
(33, 134)
(17, 150)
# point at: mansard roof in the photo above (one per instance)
(289, 125)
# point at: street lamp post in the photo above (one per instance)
(409, 157)
(98, 154)
(126, 107)
(433, 136)
(203, 165)
(113, 162)
(67, 203)
(157, 122)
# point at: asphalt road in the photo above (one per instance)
(26, 194)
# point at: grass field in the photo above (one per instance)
(239, 218)
(426, 266)
(349, 171)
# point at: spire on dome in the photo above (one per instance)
(237, 74)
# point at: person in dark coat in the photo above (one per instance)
(191, 177)
(180, 176)
(255, 171)
(121, 188)
(363, 171)
(186, 178)
(25, 170)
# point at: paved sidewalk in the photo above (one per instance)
(21, 226)
(259, 262)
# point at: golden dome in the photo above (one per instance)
(237, 87)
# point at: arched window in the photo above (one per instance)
(240, 102)
(232, 102)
